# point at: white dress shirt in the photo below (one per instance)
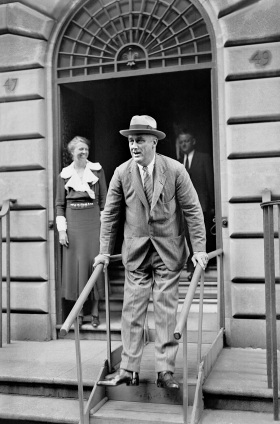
(150, 170)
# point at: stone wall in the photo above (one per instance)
(251, 36)
(25, 28)
(248, 82)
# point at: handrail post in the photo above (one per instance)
(267, 272)
(79, 370)
(108, 322)
(220, 294)
(270, 297)
(272, 311)
(1, 280)
(185, 374)
(8, 276)
(200, 319)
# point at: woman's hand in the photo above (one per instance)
(63, 238)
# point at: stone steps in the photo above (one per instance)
(238, 381)
(137, 413)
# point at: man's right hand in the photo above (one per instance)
(101, 259)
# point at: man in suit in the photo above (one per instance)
(157, 195)
(200, 169)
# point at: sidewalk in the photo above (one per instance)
(52, 361)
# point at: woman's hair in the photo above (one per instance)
(78, 139)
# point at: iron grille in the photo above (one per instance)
(107, 36)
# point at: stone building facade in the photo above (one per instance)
(242, 90)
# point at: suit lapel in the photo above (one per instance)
(159, 179)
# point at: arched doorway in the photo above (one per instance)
(115, 59)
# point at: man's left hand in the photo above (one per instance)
(201, 258)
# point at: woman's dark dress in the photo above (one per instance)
(82, 214)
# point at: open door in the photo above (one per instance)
(99, 109)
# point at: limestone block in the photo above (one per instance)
(224, 6)
(252, 61)
(16, 18)
(257, 22)
(27, 296)
(22, 85)
(22, 154)
(249, 300)
(19, 52)
(252, 100)
(54, 8)
(27, 225)
(247, 259)
(249, 333)
(33, 327)
(247, 178)
(28, 261)
(245, 219)
(29, 188)
(249, 140)
(22, 120)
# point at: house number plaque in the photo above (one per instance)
(10, 85)
(261, 58)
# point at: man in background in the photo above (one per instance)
(200, 169)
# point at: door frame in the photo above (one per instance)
(58, 82)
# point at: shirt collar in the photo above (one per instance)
(69, 171)
(150, 166)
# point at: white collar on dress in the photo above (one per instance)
(88, 177)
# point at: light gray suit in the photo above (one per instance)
(159, 231)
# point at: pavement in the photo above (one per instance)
(55, 362)
(52, 361)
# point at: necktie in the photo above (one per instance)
(187, 163)
(148, 188)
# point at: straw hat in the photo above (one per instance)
(143, 124)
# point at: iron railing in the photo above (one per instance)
(5, 212)
(73, 318)
(181, 329)
(268, 207)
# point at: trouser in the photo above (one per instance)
(152, 275)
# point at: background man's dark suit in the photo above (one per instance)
(201, 173)
(200, 170)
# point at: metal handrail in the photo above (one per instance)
(74, 313)
(190, 296)
(73, 318)
(5, 212)
(270, 295)
(181, 327)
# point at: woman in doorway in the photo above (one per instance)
(81, 195)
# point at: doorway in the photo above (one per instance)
(99, 109)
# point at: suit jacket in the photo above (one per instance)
(174, 199)
(201, 173)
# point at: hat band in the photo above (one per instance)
(141, 127)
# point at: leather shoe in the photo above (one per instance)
(166, 380)
(121, 377)
(95, 321)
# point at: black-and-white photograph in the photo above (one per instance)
(139, 211)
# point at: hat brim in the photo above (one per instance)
(159, 134)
